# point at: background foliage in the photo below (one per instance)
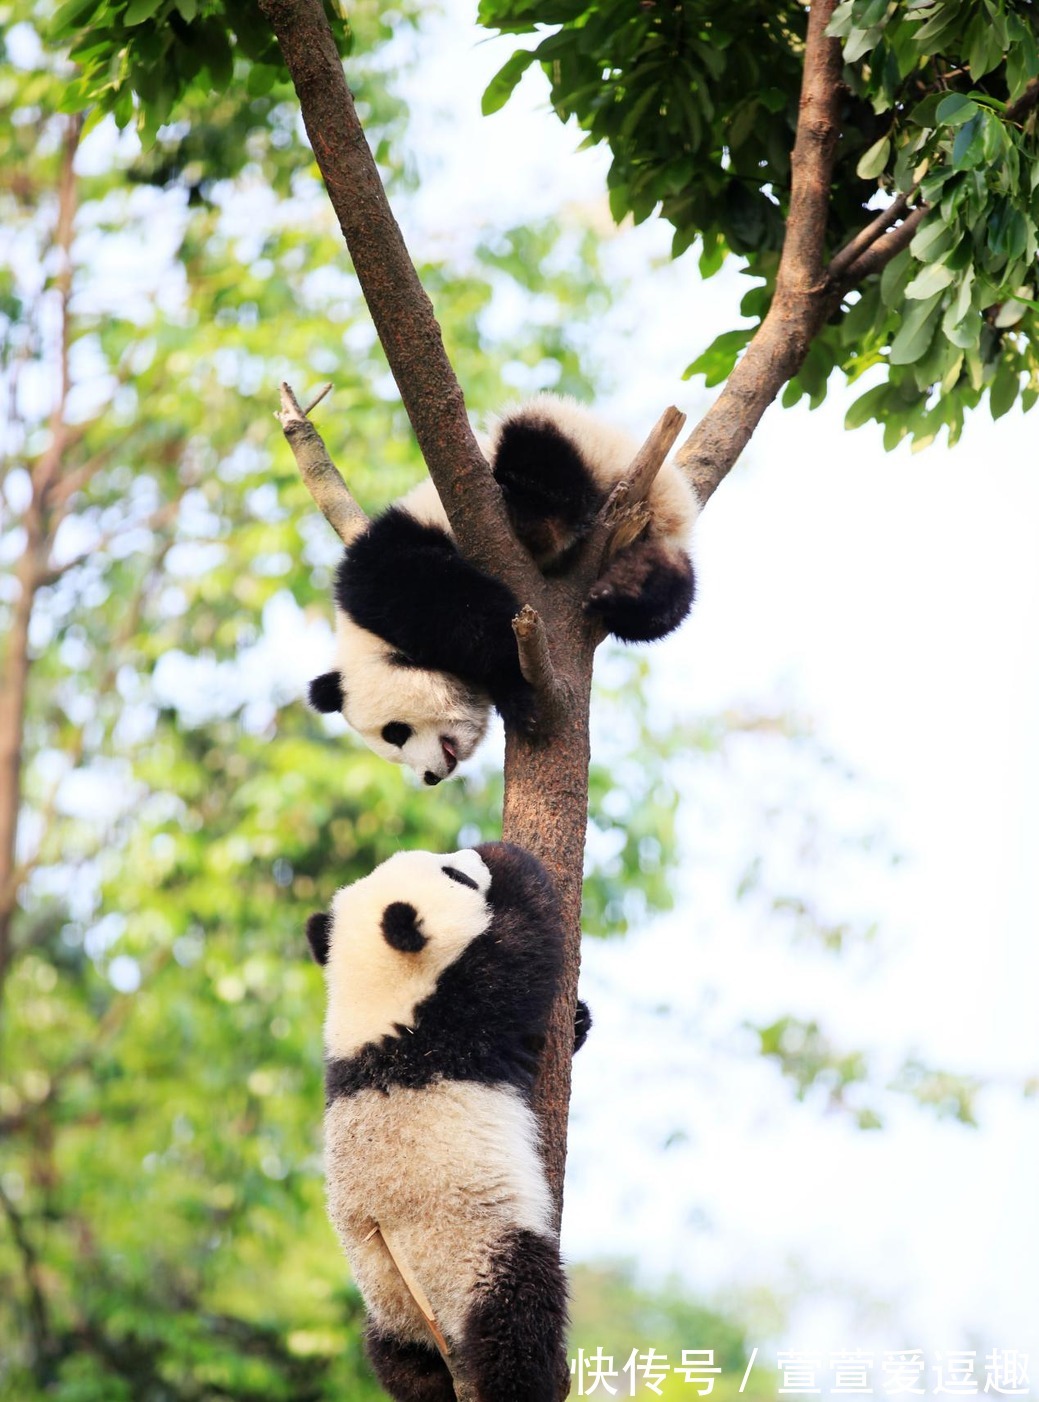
(163, 1228)
(698, 103)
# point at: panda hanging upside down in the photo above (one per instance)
(424, 640)
(441, 972)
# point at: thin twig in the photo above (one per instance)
(317, 400)
(321, 477)
(463, 1393)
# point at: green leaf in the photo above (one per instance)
(717, 361)
(934, 278)
(874, 161)
(1004, 389)
(955, 109)
(916, 332)
(72, 14)
(503, 84)
(139, 10)
(932, 240)
(868, 406)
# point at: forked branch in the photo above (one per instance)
(321, 477)
(624, 514)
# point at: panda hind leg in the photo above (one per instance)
(409, 1372)
(549, 493)
(645, 591)
(513, 1347)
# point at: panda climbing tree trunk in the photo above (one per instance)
(546, 775)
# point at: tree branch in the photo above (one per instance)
(882, 252)
(39, 1322)
(846, 256)
(402, 312)
(320, 475)
(1017, 110)
(801, 299)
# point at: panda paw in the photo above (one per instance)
(582, 1025)
(644, 593)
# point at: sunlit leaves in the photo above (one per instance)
(698, 102)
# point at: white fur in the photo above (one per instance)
(372, 987)
(447, 1171)
(436, 705)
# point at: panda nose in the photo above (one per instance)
(430, 778)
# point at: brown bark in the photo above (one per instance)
(401, 311)
(801, 300)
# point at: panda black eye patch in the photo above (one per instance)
(400, 927)
(460, 877)
(396, 733)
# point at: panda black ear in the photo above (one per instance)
(400, 928)
(319, 932)
(326, 693)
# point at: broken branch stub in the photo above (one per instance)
(320, 475)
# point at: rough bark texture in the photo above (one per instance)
(402, 312)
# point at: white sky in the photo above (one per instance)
(894, 599)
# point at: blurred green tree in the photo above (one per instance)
(171, 811)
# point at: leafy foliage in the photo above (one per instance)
(162, 1228)
(698, 104)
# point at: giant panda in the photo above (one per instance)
(440, 974)
(424, 640)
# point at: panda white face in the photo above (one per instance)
(429, 721)
(390, 936)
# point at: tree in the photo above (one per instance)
(159, 1029)
(932, 104)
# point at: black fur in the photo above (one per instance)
(409, 1372)
(407, 583)
(644, 593)
(550, 494)
(400, 928)
(460, 877)
(319, 932)
(326, 692)
(513, 1342)
(486, 1019)
(396, 733)
(582, 1024)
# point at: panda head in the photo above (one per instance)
(429, 721)
(387, 939)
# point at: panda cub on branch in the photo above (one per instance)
(424, 640)
(440, 973)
